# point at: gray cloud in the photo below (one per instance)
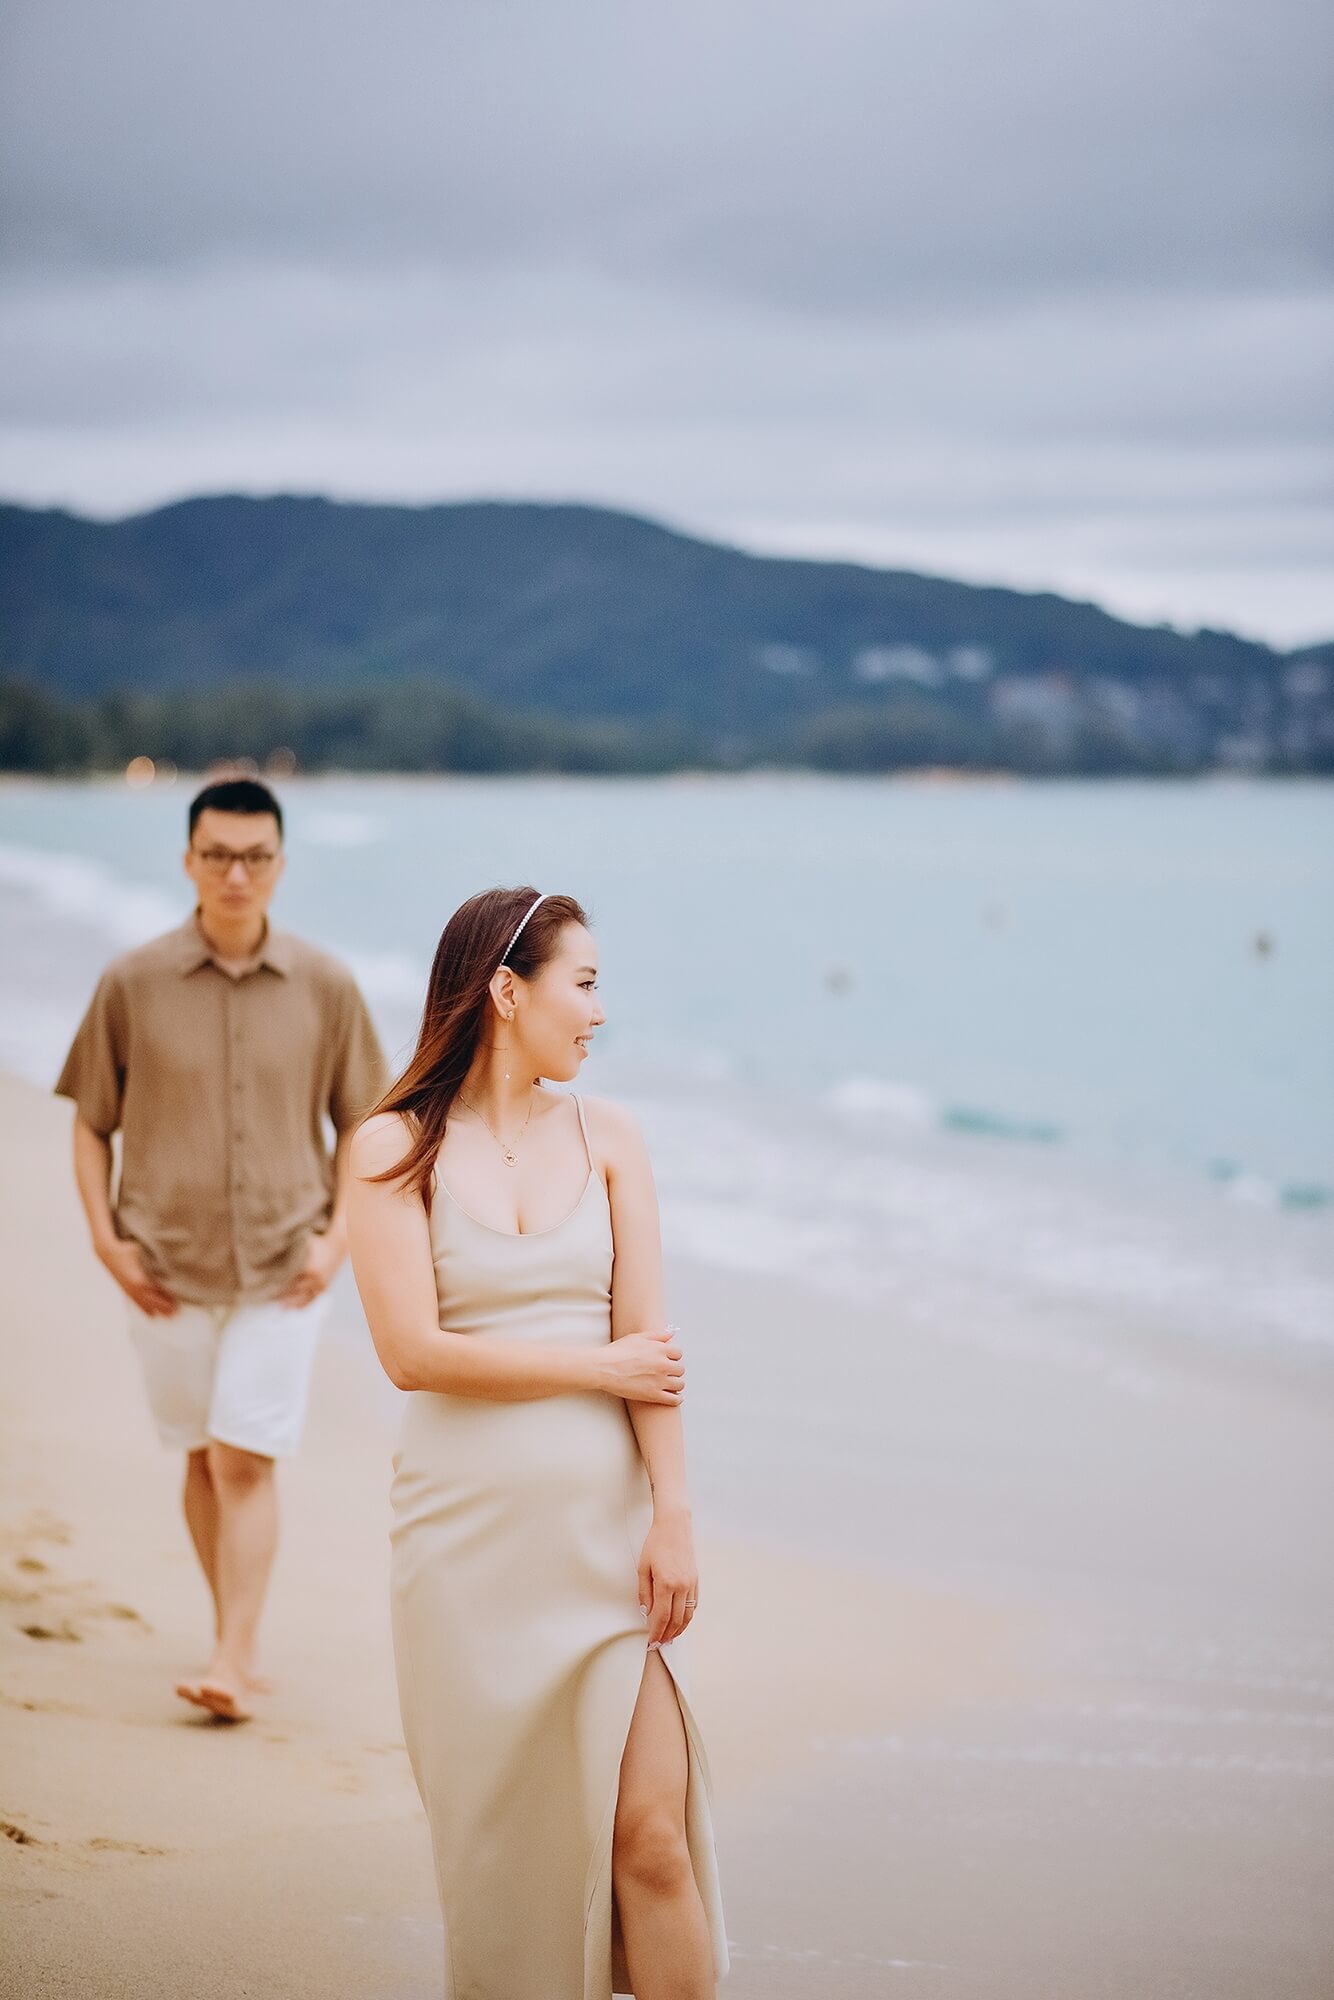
(845, 155)
(1009, 289)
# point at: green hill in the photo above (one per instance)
(584, 618)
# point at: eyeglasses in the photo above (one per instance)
(218, 860)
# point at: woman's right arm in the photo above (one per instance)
(390, 1244)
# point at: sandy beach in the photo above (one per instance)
(1035, 1700)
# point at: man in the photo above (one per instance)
(217, 1051)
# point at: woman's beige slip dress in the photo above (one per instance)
(518, 1639)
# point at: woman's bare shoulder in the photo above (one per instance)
(614, 1130)
(379, 1143)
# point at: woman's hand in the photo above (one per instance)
(644, 1367)
(667, 1577)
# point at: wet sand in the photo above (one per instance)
(1020, 1685)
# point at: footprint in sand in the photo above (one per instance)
(102, 1843)
(33, 1582)
(47, 1608)
(63, 1606)
(38, 1526)
(42, 1706)
(345, 1776)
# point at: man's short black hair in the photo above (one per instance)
(235, 795)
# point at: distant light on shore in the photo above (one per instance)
(141, 772)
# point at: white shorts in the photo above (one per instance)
(237, 1375)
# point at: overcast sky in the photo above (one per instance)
(1030, 291)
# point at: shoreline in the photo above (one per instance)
(113, 777)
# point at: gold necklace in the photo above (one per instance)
(507, 1153)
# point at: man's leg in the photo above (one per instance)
(201, 1514)
(246, 1501)
(201, 1517)
(247, 1543)
(178, 1353)
(265, 1356)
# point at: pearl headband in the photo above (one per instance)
(522, 921)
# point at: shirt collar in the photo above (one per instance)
(194, 949)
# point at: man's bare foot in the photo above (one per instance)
(255, 1679)
(220, 1691)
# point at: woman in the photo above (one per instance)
(505, 1244)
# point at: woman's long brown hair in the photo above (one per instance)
(472, 946)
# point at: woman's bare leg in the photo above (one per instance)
(667, 1946)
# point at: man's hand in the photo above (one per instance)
(125, 1261)
(323, 1256)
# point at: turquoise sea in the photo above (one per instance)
(1062, 1048)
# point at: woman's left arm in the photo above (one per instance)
(667, 1572)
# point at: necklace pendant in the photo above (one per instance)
(510, 1159)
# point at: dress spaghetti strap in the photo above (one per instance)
(583, 1127)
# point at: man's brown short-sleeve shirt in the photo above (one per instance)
(219, 1086)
